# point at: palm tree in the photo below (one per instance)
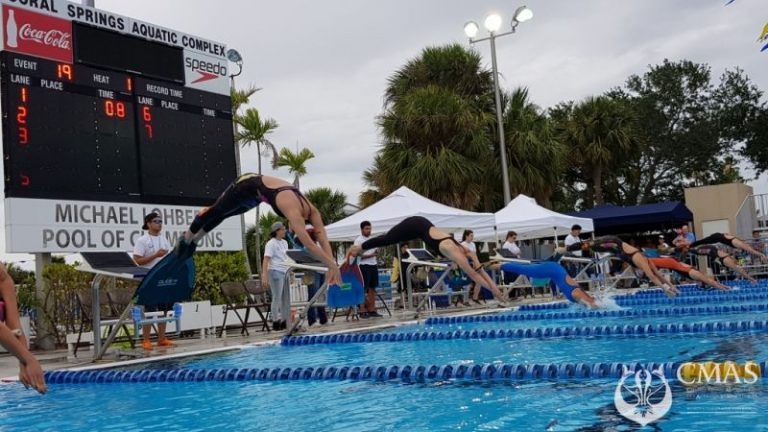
(254, 237)
(253, 130)
(329, 203)
(296, 162)
(536, 155)
(436, 122)
(241, 97)
(600, 132)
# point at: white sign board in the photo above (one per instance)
(37, 225)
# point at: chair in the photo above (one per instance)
(540, 283)
(258, 298)
(85, 306)
(119, 299)
(236, 296)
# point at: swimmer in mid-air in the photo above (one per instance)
(629, 254)
(670, 263)
(718, 255)
(250, 190)
(554, 271)
(728, 240)
(418, 227)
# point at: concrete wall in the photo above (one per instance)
(717, 202)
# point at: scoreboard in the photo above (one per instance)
(99, 108)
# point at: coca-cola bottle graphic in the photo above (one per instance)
(11, 31)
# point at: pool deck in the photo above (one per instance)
(57, 359)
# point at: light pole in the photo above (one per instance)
(493, 24)
(235, 57)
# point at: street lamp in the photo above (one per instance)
(235, 57)
(493, 24)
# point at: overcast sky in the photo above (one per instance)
(323, 65)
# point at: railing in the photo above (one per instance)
(752, 215)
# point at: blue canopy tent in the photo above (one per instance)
(611, 219)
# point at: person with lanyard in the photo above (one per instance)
(370, 271)
(13, 339)
(250, 190)
(629, 254)
(418, 227)
(147, 252)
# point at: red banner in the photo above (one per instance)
(37, 35)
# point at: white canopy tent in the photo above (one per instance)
(399, 205)
(529, 220)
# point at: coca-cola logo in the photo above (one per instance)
(54, 38)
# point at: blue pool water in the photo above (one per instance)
(437, 405)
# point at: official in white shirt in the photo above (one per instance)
(511, 244)
(148, 251)
(273, 270)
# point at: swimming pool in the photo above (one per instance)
(545, 386)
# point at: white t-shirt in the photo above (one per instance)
(275, 250)
(148, 245)
(512, 247)
(572, 239)
(470, 245)
(370, 260)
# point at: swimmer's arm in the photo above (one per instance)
(582, 297)
(296, 223)
(731, 263)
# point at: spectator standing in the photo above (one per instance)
(274, 268)
(370, 271)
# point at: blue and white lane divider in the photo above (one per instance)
(673, 311)
(697, 293)
(530, 333)
(405, 373)
(653, 301)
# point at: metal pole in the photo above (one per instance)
(46, 339)
(239, 170)
(89, 3)
(499, 118)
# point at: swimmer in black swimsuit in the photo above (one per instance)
(250, 190)
(417, 227)
(629, 254)
(718, 255)
(728, 240)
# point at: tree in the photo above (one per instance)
(689, 126)
(240, 97)
(329, 203)
(295, 162)
(253, 130)
(536, 155)
(259, 237)
(436, 127)
(600, 133)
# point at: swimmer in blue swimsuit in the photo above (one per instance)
(554, 271)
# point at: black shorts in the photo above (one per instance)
(370, 276)
(163, 307)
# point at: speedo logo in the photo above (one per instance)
(207, 70)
